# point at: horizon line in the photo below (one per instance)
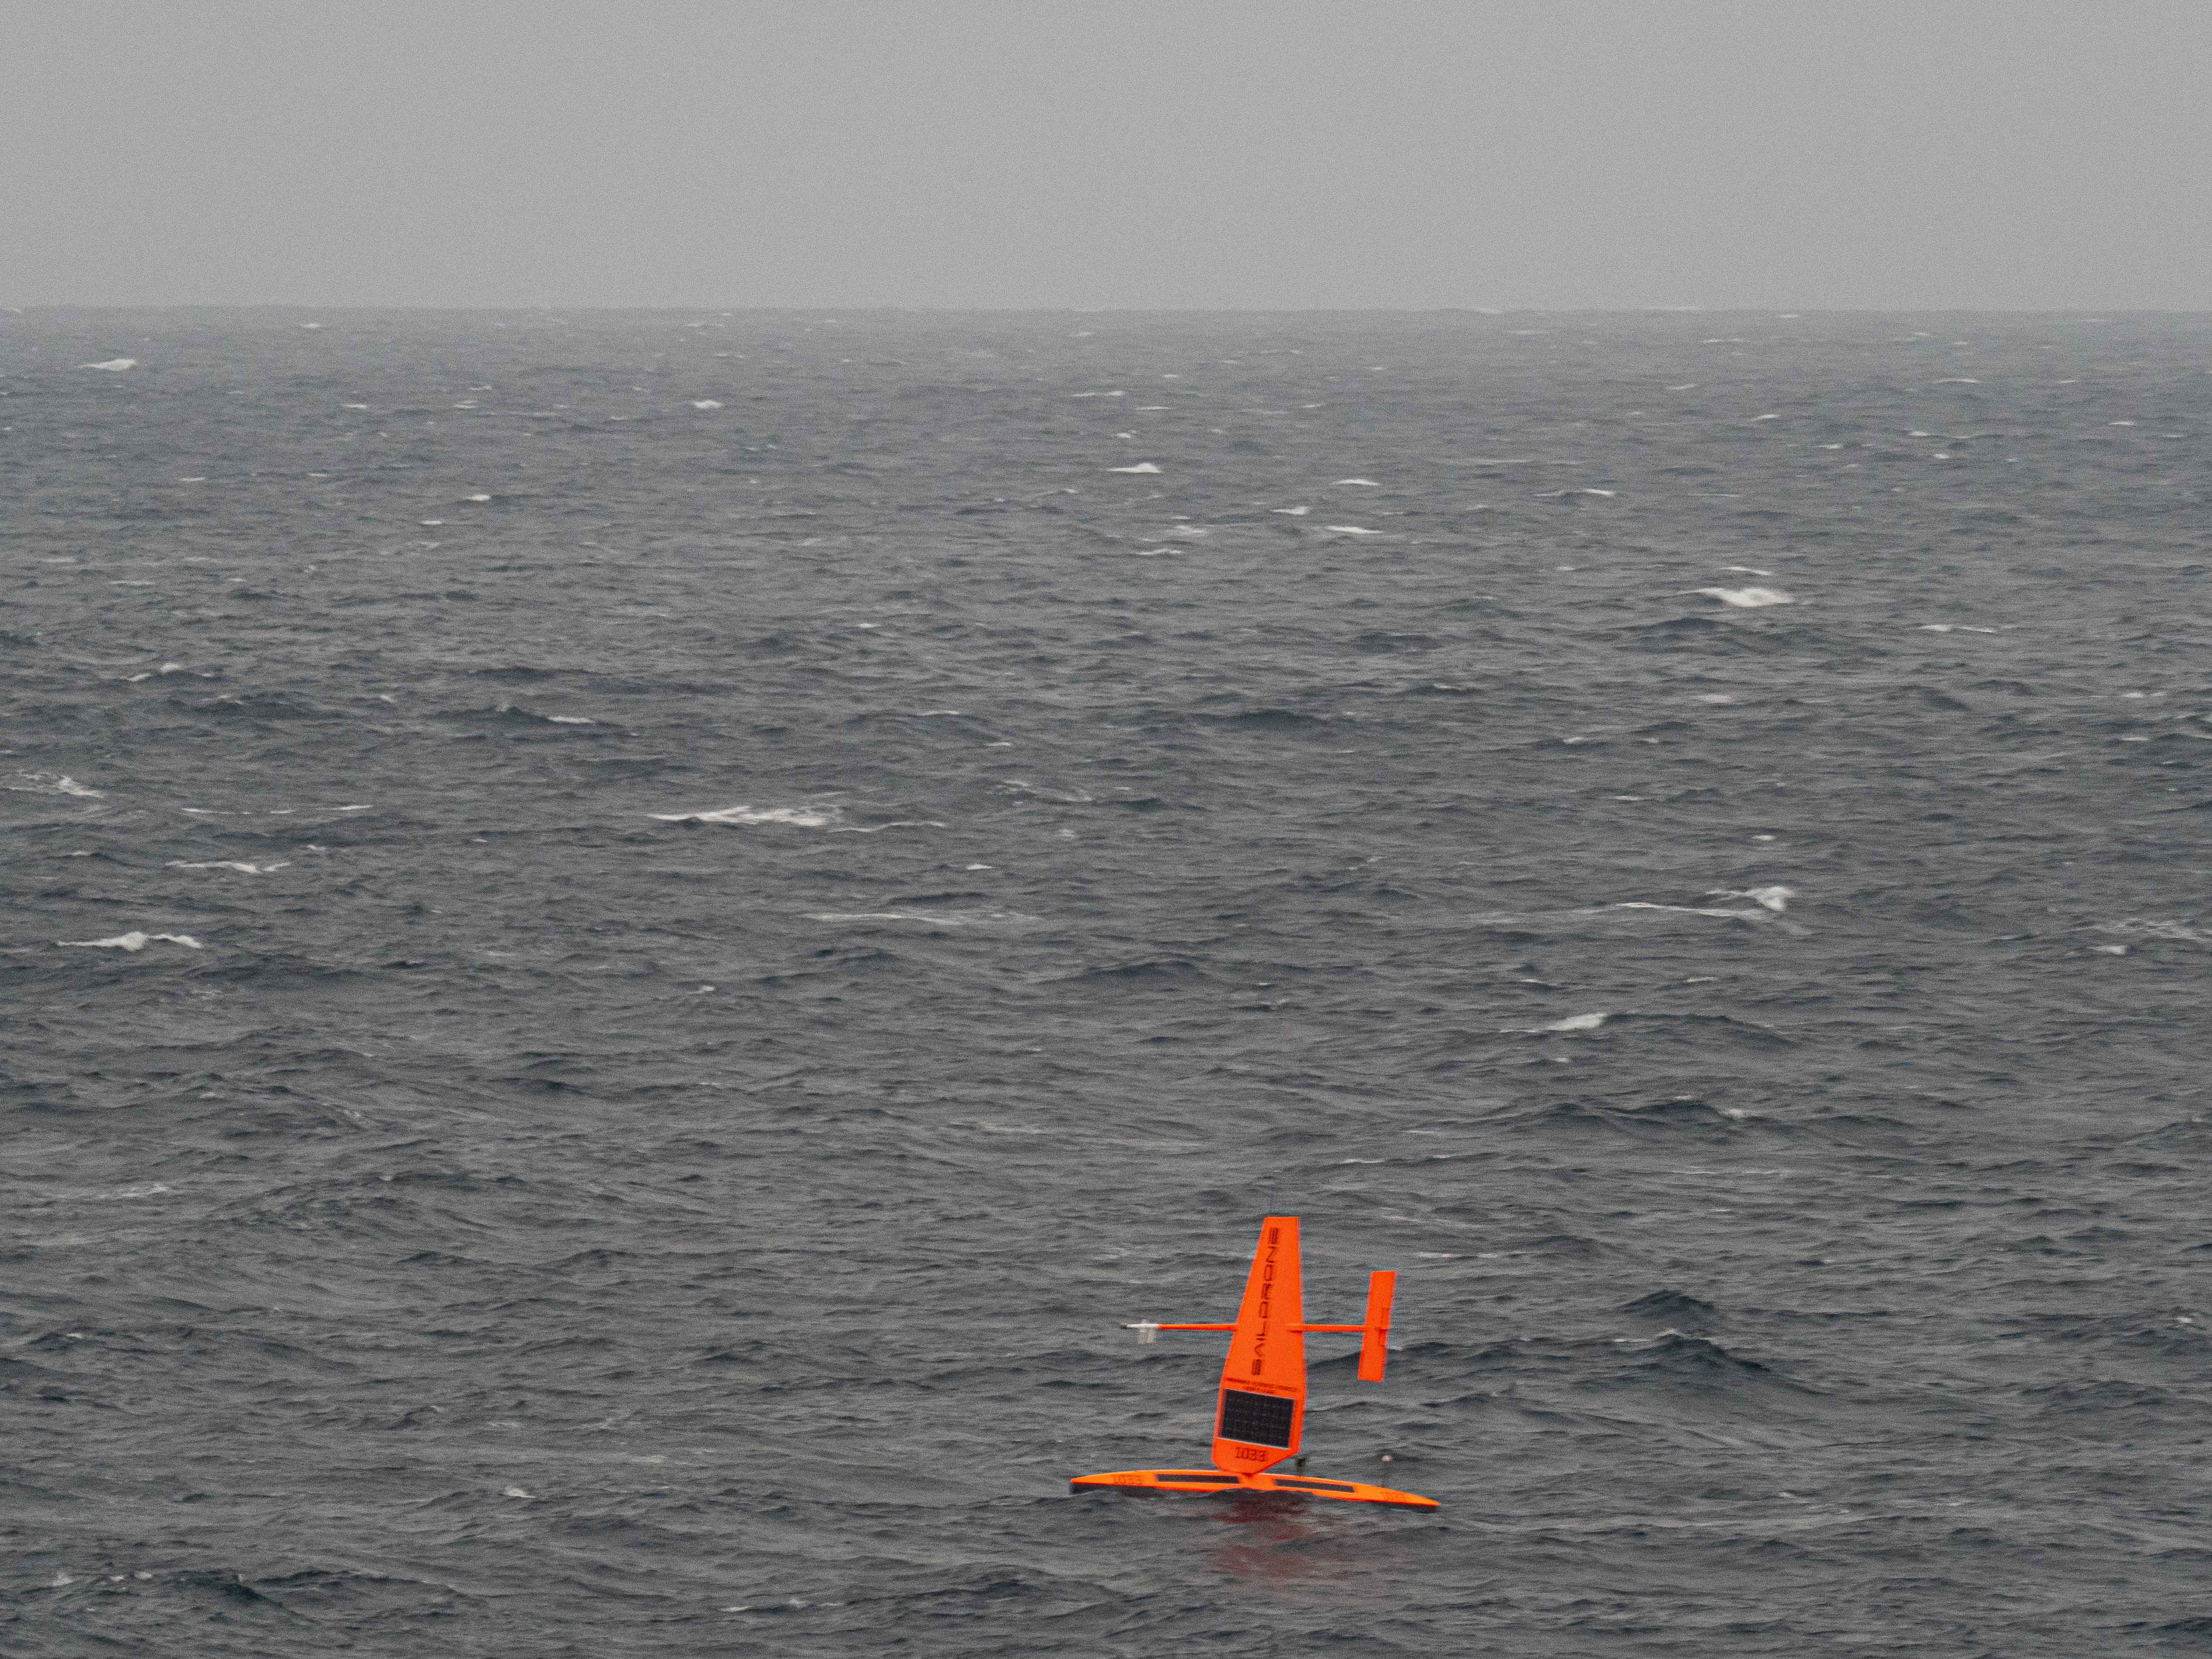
(2086, 314)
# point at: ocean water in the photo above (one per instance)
(630, 937)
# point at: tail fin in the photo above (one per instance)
(1375, 1329)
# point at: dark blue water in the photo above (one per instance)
(719, 898)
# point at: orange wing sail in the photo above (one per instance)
(1260, 1418)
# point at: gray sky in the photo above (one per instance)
(1046, 153)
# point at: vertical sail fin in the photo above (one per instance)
(1374, 1329)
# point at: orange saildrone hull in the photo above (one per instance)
(1212, 1480)
(1259, 1412)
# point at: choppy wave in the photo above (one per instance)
(797, 817)
(672, 1174)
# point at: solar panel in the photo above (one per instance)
(1257, 1420)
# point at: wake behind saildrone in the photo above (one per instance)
(1260, 1415)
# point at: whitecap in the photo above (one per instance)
(1155, 552)
(570, 719)
(1756, 419)
(878, 829)
(113, 365)
(934, 918)
(799, 817)
(2149, 928)
(1719, 912)
(706, 403)
(134, 941)
(46, 783)
(479, 496)
(1141, 466)
(1563, 495)
(1748, 599)
(1364, 484)
(1775, 899)
(1747, 570)
(230, 864)
(1576, 1023)
(1353, 530)
(1190, 531)
(1294, 512)
(1064, 796)
(353, 405)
